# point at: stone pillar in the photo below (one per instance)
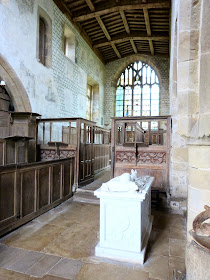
(197, 259)
(199, 182)
(199, 152)
(184, 89)
(197, 263)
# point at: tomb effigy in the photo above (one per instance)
(125, 217)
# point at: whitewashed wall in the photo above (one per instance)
(58, 91)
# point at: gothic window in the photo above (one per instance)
(137, 91)
(44, 40)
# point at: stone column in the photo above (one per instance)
(197, 259)
(199, 182)
(199, 152)
(197, 263)
(184, 88)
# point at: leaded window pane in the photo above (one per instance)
(138, 91)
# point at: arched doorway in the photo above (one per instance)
(14, 87)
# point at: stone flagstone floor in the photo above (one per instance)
(60, 245)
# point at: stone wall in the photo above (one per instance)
(114, 70)
(190, 109)
(189, 86)
(179, 150)
(57, 91)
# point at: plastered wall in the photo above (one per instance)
(57, 91)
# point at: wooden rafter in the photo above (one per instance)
(147, 22)
(90, 5)
(103, 27)
(122, 13)
(115, 50)
(133, 46)
(117, 28)
(65, 10)
(133, 36)
(151, 47)
(113, 8)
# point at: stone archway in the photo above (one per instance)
(131, 59)
(14, 87)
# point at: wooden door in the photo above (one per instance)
(86, 154)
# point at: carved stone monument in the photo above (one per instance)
(125, 218)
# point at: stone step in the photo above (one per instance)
(86, 197)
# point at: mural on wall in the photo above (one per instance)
(25, 6)
(5, 2)
(51, 96)
(83, 55)
(28, 79)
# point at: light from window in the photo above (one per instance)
(42, 41)
(89, 103)
(137, 91)
(69, 43)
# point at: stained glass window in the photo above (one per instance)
(138, 91)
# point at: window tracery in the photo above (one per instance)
(138, 91)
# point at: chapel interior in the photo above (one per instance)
(89, 90)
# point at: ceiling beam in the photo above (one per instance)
(133, 46)
(123, 6)
(122, 13)
(147, 22)
(148, 27)
(151, 46)
(65, 10)
(129, 54)
(103, 27)
(115, 50)
(90, 5)
(133, 36)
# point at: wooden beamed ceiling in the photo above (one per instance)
(118, 28)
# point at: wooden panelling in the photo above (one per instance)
(10, 152)
(43, 186)
(56, 187)
(148, 155)
(68, 178)
(28, 190)
(1, 152)
(7, 195)
(102, 156)
(79, 135)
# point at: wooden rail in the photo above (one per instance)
(82, 139)
(29, 190)
(142, 143)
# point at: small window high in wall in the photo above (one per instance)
(42, 40)
(44, 48)
(69, 43)
(138, 91)
(89, 102)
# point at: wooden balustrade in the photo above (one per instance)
(102, 156)
(81, 138)
(142, 143)
(28, 190)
